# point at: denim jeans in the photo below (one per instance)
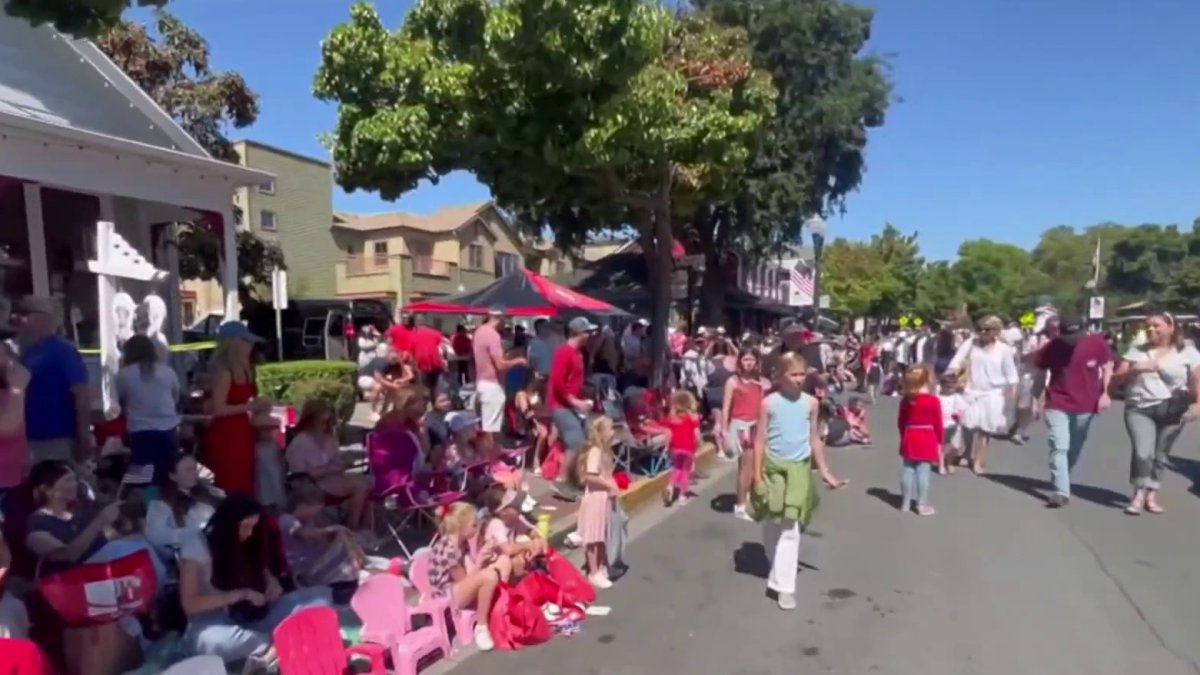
(571, 434)
(914, 481)
(1152, 438)
(733, 437)
(154, 448)
(216, 634)
(1068, 432)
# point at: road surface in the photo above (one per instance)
(994, 584)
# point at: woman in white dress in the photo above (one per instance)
(991, 385)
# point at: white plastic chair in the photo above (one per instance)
(198, 665)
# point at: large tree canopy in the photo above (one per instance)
(81, 18)
(812, 155)
(174, 69)
(580, 114)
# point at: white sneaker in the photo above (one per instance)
(529, 504)
(575, 540)
(739, 512)
(483, 638)
(601, 581)
(787, 601)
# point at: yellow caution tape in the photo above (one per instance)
(175, 349)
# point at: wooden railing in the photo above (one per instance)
(366, 264)
(427, 266)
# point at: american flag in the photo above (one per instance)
(138, 475)
(802, 279)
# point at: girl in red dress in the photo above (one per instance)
(920, 422)
(229, 443)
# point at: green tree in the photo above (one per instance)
(175, 71)
(996, 278)
(80, 18)
(578, 114)
(939, 293)
(900, 271)
(812, 154)
(851, 276)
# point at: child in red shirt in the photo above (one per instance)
(921, 431)
(684, 425)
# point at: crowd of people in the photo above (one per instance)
(244, 528)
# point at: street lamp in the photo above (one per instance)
(816, 229)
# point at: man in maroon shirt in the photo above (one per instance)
(564, 391)
(1080, 366)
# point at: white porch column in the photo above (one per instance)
(39, 268)
(170, 245)
(229, 270)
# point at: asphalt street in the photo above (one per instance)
(995, 583)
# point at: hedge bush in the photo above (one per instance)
(277, 380)
(339, 394)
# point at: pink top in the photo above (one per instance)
(488, 350)
(311, 453)
(14, 453)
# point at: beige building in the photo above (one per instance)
(404, 257)
(292, 212)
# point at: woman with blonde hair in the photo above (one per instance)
(990, 368)
(229, 443)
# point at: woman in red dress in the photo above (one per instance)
(920, 422)
(229, 443)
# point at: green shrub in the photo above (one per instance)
(275, 380)
(339, 394)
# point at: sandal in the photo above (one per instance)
(925, 511)
(1152, 505)
(1136, 504)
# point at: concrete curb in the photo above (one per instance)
(634, 499)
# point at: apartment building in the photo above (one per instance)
(405, 257)
(292, 212)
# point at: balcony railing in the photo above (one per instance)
(366, 264)
(427, 266)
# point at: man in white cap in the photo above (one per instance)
(490, 365)
(631, 342)
(58, 405)
(564, 397)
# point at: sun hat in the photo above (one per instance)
(236, 330)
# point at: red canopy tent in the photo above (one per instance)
(519, 293)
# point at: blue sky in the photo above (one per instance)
(1015, 115)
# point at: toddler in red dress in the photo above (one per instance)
(921, 430)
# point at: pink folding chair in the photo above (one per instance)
(309, 642)
(462, 619)
(405, 496)
(384, 611)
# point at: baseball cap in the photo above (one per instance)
(236, 330)
(581, 324)
(495, 310)
(460, 421)
(1071, 323)
(642, 322)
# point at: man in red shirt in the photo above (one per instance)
(426, 344)
(564, 391)
(400, 334)
(1080, 367)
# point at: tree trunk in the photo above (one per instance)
(711, 226)
(660, 266)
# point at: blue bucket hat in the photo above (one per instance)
(236, 330)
